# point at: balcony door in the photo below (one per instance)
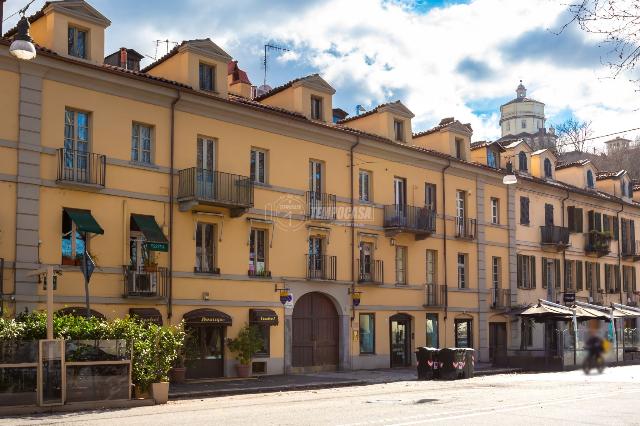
(400, 199)
(366, 261)
(76, 146)
(141, 280)
(316, 258)
(205, 166)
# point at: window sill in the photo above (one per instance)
(142, 165)
(367, 354)
(261, 184)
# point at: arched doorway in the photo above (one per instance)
(315, 332)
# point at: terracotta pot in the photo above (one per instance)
(243, 370)
(160, 392)
(177, 374)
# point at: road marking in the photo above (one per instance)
(514, 407)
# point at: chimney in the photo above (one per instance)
(123, 57)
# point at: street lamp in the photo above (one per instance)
(22, 46)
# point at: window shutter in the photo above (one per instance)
(571, 212)
(615, 228)
(533, 271)
(578, 220)
(633, 278)
(567, 265)
(616, 270)
(605, 224)
(579, 275)
(625, 278)
(548, 214)
(519, 268)
(588, 275)
(544, 272)
(597, 221)
(598, 281)
(591, 220)
(558, 276)
(623, 223)
(632, 235)
(524, 210)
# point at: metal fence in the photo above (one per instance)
(465, 228)
(215, 187)
(435, 295)
(370, 271)
(81, 167)
(410, 218)
(321, 267)
(321, 206)
(554, 235)
(145, 281)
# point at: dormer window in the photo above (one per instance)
(207, 77)
(548, 168)
(590, 183)
(398, 130)
(316, 108)
(522, 162)
(77, 42)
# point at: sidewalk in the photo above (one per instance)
(264, 384)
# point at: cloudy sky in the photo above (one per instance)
(440, 57)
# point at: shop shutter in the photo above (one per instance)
(557, 275)
(578, 220)
(544, 272)
(579, 275)
(533, 272)
(571, 219)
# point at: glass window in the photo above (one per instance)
(492, 159)
(623, 188)
(526, 331)
(398, 130)
(495, 272)
(548, 168)
(430, 196)
(364, 185)
(401, 265)
(524, 124)
(73, 242)
(76, 144)
(459, 149)
(258, 166)
(522, 162)
(265, 333)
(257, 252)
(77, 42)
(205, 247)
(432, 331)
(495, 211)
(463, 336)
(316, 108)
(432, 266)
(590, 179)
(141, 143)
(462, 270)
(207, 77)
(460, 201)
(524, 210)
(367, 333)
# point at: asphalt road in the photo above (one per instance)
(550, 398)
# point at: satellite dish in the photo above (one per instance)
(263, 89)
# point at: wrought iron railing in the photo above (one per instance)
(500, 298)
(465, 228)
(435, 295)
(81, 167)
(598, 242)
(371, 271)
(221, 188)
(261, 273)
(554, 235)
(145, 281)
(321, 206)
(321, 267)
(411, 218)
(630, 248)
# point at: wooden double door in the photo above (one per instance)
(315, 330)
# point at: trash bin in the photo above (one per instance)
(459, 359)
(469, 367)
(427, 362)
(447, 364)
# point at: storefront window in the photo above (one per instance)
(432, 331)
(463, 333)
(265, 332)
(367, 333)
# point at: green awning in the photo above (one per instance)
(83, 220)
(147, 224)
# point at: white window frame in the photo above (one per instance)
(431, 266)
(255, 159)
(317, 108)
(398, 130)
(495, 272)
(463, 281)
(201, 228)
(495, 211)
(401, 265)
(364, 185)
(74, 46)
(137, 143)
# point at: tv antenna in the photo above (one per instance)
(167, 42)
(267, 48)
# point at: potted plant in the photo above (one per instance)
(178, 372)
(150, 263)
(245, 345)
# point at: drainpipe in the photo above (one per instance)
(353, 219)
(171, 191)
(444, 217)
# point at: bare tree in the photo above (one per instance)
(617, 22)
(573, 134)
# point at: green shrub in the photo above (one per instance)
(154, 349)
(247, 344)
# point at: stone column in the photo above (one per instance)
(344, 350)
(288, 336)
(483, 296)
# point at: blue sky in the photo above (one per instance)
(441, 58)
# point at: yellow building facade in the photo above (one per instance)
(200, 203)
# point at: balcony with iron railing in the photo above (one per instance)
(630, 249)
(370, 271)
(198, 189)
(321, 267)
(465, 228)
(598, 243)
(146, 282)
(554, 237)
(320, 206)
(435, 295)
(81, 168)
(420, 221)
(500, 298)
(259, 273)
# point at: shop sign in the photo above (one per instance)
(215, 320)
(157, 246)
